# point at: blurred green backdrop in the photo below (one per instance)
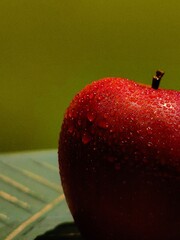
(49, 50)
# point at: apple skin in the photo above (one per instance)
(119, 159)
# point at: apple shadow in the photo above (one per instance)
(63, 231)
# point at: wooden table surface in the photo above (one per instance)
(31, 197)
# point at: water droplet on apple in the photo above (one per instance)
(103, 124)
(111, 158)
(70, 114)
(113, 112)
(66, 115)
(93, 130)
(149, 130)
(149, 144)
(124, 182)
(91, 96)
(145, 160)
(117, 166)
(106, 115)
(71, 128)
(91, 116)
(99, 98)
(81, 113)
(86, 138)
(79, 122)
(74, 113)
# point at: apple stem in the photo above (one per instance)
(156, 79)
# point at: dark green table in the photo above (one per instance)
(31, 197)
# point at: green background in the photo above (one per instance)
(50, 49)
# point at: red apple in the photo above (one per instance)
(119, 158)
